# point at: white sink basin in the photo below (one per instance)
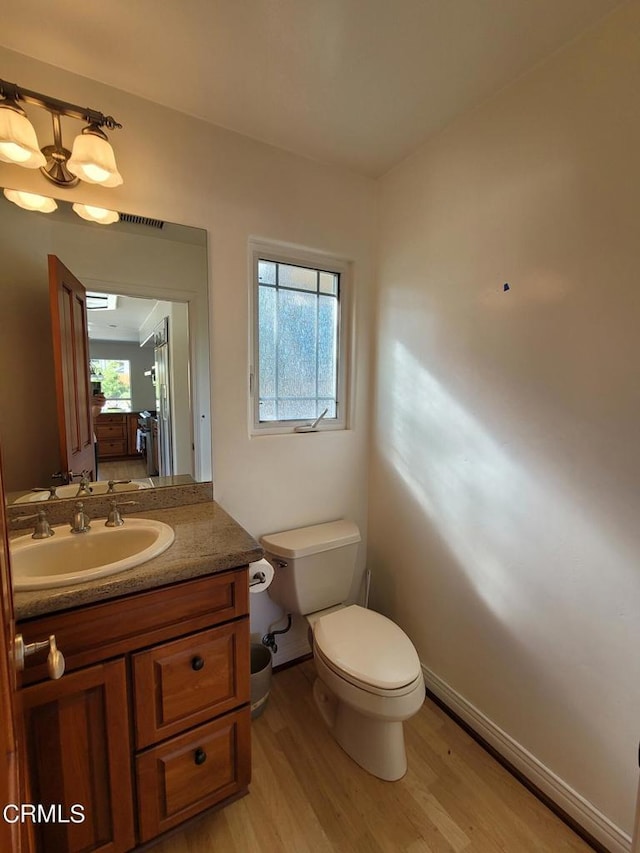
(100, 487)
(69, 558)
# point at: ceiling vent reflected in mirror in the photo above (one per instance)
(101, 301)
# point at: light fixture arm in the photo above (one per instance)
(12, 92)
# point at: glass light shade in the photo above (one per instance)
(18, 140)
(96, 214)
(92, 160)
(31, 201)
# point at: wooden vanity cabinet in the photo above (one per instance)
(150, 724)
(116, 434)
(111, 435)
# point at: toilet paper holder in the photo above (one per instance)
(260, 575)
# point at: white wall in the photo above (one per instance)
(181, 169)
(506, 458)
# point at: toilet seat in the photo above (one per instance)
(418, 681)
(368, 650)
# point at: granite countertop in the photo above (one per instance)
(207, 540)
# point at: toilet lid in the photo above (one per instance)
(367, 646)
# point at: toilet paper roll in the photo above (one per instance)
(260, 575)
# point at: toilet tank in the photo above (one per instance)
(314, 566)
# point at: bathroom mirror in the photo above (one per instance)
(135, 258)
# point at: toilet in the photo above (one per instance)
(369, 678)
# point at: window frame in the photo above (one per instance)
(261, 251)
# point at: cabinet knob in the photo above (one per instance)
(197, 663)
(200, 756)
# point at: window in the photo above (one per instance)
(299, 342)
(114, 376)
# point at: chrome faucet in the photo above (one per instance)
(114, 518)
(80, 523)
(43, 529)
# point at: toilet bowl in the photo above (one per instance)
(369, 674)
(369, 682)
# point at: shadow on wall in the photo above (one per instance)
(521, 558)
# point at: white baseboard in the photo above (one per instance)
(572, 803)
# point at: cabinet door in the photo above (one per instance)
(180, 684)
(78, 742)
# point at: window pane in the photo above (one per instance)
(296, 345)
(117, 405)
(114, 377)
(327, 346)
(329, 283)
(300, 277)
(297, 410)
(267, 410)
(327, 404)
(266, 272)
(298, 342)
(267, 341)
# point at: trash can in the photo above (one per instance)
(260, 678)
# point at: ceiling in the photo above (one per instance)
(359, 83)
(121, 323)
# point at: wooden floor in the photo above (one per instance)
(307, 795)
(123, 469)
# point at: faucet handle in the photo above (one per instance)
(43, 529)
(112, 483)
(114, 518)
(52, 492)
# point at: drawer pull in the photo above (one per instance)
(197, 663)
(200, 756)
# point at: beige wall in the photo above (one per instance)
(506, 457)
(186, 171)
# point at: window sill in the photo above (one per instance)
(257, 432)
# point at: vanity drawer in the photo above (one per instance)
(185, 682)
(101, 631)
(193, 772)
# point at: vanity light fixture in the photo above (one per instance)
(92, 159)
(31, 201)
(96, 214)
